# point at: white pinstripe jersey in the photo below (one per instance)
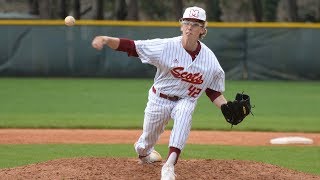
(177, 74)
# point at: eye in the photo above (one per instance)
(193, 24)
(187, 23)
(196, 24)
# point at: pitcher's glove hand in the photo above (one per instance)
(235, 111)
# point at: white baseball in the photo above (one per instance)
(69, 21)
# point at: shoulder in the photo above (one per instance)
(206, 48)
(157, 41)
(209, 54)
(208, 51)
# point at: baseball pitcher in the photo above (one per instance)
(186, 68)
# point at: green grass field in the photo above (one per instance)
(119, 103)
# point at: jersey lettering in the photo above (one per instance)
(195, 78)
(194, 91)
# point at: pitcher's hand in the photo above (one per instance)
(98, 42)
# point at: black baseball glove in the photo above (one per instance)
(235, 111)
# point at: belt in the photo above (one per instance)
(171, 98)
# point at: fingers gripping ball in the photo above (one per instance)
(235, 111)
(69, 21)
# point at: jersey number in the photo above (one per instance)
(194, 91)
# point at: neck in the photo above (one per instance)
(189, 44)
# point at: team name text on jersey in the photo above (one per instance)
(194, 78)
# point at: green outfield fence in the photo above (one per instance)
(254, 51)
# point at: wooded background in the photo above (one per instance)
(164, 10)
(248, 51)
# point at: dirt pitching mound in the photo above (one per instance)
(124, 168)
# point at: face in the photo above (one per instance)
(192, 28)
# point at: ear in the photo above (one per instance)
(181, 28)
(203, 31)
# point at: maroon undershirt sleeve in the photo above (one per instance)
(128, 46)
(212, 94)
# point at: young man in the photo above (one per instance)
(186, 68)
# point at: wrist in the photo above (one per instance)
(105, 40)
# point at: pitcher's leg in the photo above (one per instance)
(157, 115)
(153, 127)
(182, 116)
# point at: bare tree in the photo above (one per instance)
(214, 12)
(257, 10)
(34, 7)
(177, 8)
(293, 10)
(133, 10)
(270, 10)
(318, 12)
(121, 9)
(77, 9)
(48, 9)
(100, 9)
(63, 9)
